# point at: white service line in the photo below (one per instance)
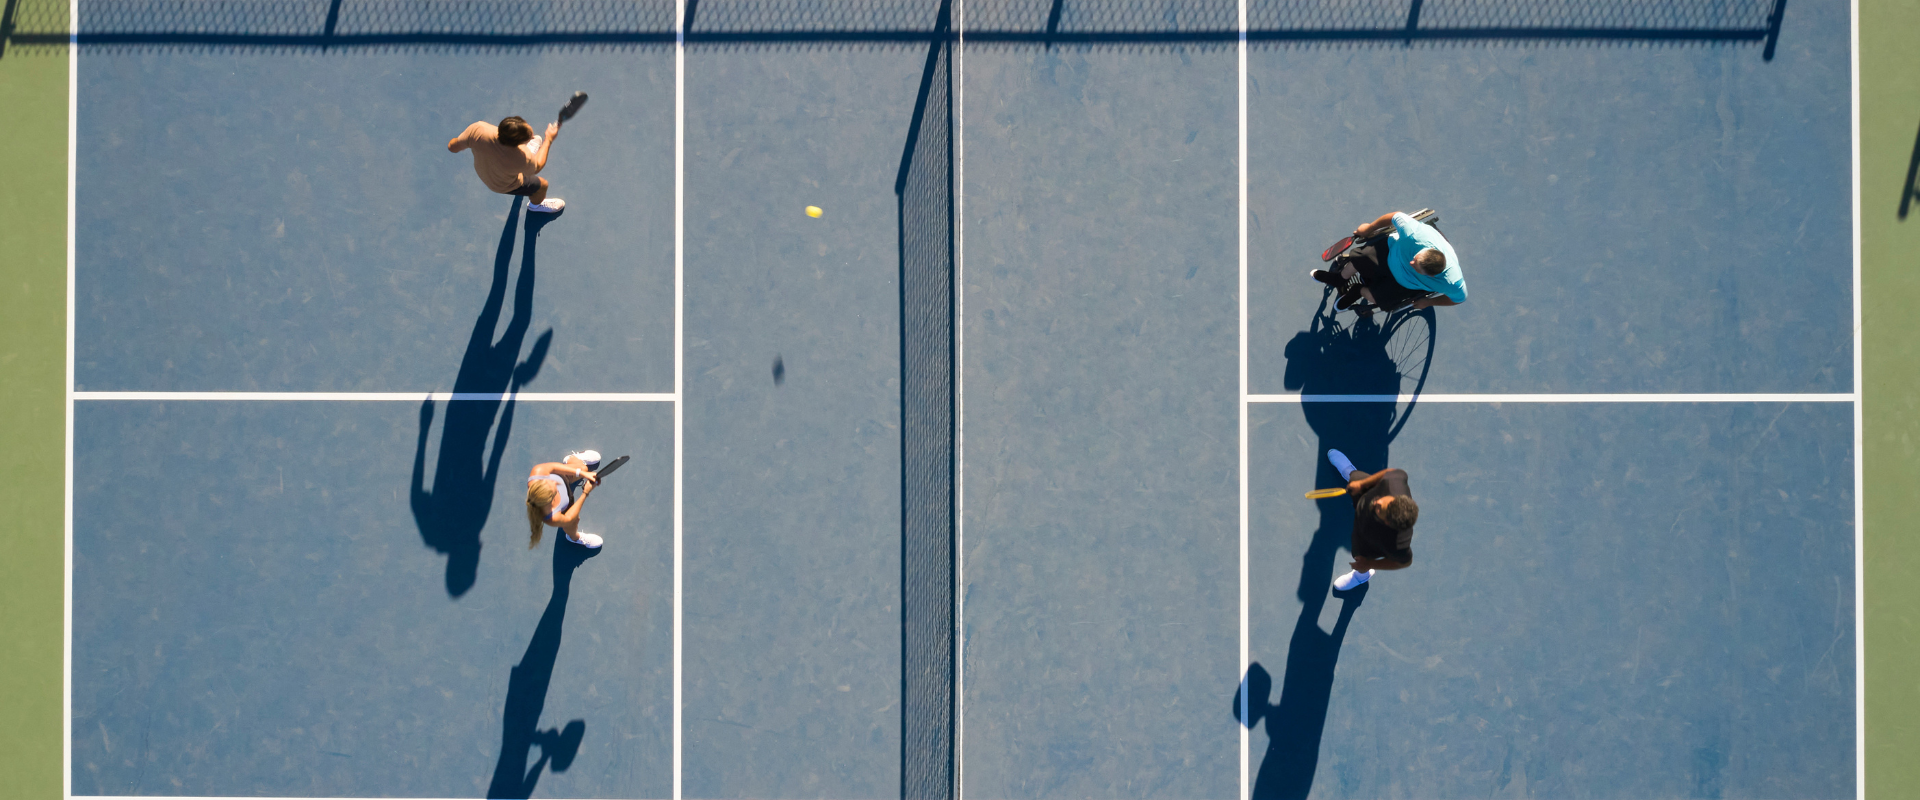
(1245, 733)
(957, 95)
(1859, 442)
(1830, 397)
(524, 397)
(679, 350)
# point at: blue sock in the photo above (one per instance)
(1341, 462)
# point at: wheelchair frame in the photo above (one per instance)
(1366, 308)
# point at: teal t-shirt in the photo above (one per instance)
(1409, 237)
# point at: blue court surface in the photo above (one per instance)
(988, 481)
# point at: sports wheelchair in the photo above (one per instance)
(1372, 274)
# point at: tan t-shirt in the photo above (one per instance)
(502, 168)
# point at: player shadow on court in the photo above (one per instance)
(527, 693)
(451, 515)
(1330, 359)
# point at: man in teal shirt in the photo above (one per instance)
(1417, 258)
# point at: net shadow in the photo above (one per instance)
(924, 194)
(347, 25)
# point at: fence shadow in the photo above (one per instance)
(345, 25)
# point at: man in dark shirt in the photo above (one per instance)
(1383, 517)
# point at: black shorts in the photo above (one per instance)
(527, 189)
(1370, 260)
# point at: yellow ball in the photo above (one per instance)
(814, 211)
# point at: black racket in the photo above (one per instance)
(572, 107)
(603, 472)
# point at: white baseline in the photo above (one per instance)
(1831, 397)
(524, 397)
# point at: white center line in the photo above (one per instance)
(1859, 441)
(957, 94)
(680, 327)
(66, 646)
(1245, 733)
(679, 352)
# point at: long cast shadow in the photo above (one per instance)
(1295, 724)
(451, 515)
(527, 693)
(1370, 362)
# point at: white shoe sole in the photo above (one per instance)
(554, 205)
(1351, 580)
(589, 541)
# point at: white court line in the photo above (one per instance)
(524, 397)
(66, 604)
(1830, 397)
(1245, 733)
(957, 94)
(679, 348)
(1859, 442)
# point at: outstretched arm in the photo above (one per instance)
(1376, 227)
(546, 143)
(1360, 486)
(568, 471)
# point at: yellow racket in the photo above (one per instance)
(1322, 494)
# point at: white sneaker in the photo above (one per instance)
(591, 458)
(1350, 580)
(589, 541)
(552, 206)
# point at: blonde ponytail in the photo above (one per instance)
(540, 496)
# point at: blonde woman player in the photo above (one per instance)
(550, 503)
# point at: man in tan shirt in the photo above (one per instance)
(507, 157)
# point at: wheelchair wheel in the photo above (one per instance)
(1410, 344)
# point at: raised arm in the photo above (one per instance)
(546, 143)
(464, 140)
(1360, 487)
(1376, 227)
(567, 471)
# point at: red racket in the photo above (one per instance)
(1337, 248)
